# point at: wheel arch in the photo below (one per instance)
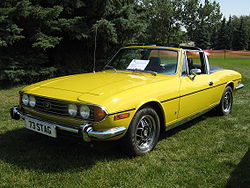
(231, 84)
(159, 110)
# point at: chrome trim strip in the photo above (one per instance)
(185, 120)
(239, 86)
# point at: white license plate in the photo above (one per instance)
(40, 127)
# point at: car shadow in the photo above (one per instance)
(33, 151)
(240, 177)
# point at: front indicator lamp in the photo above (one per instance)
(121, 116)
(99, 114)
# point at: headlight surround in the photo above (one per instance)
(72, 110)
(32, 101)
(25, 99)
(85, 111)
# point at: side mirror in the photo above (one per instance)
(195, 71)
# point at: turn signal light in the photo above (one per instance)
(99, 114)
(121, 116)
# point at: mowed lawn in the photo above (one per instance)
(210, 151)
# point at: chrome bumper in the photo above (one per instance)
(86, 130)
(239, 86)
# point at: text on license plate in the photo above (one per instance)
(40, 126)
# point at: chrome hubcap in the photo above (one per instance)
(227, 102)
(145, 132)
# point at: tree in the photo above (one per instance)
(229, 34)
(163, 21)
(26, 34)
(222, 37)
(39, 38)
(196, 14)
(240, 36)
(203, 40)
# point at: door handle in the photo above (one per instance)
(210, 83)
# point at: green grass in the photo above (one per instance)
(209, 151)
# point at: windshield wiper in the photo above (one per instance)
(146, 71)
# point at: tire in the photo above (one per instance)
(226, 102)
(143, 132)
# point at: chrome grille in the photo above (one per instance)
(51, 106)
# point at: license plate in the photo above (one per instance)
(40, 127)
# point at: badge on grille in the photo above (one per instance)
(47, 105)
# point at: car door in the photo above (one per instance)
(196, 91)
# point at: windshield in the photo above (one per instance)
(162, 61)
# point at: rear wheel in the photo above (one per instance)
(143, 132)
(226, 102)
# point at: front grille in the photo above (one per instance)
(51, 106)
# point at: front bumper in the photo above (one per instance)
(87, 132)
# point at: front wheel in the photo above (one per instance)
(226, 102)
(143, 132)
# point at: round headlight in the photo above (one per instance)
(25, 99)
(72, 110)
(85, 111)
(32, 101)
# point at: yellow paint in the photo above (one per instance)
(118, 91)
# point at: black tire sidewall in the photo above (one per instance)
(130, 136)
(221, 108)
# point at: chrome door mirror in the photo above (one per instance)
(195, 71)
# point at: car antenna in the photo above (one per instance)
(95, 50)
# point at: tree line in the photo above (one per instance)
(40, 39)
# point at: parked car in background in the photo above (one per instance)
(141, 91)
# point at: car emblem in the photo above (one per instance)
(47, 105)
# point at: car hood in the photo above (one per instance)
(106, 83)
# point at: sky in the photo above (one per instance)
(235, 7)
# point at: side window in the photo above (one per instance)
(196, 60)
(166, 60)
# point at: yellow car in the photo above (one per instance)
(142, 90)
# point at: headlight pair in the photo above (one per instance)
(92, 112)
(84, 111)
(29, 100)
